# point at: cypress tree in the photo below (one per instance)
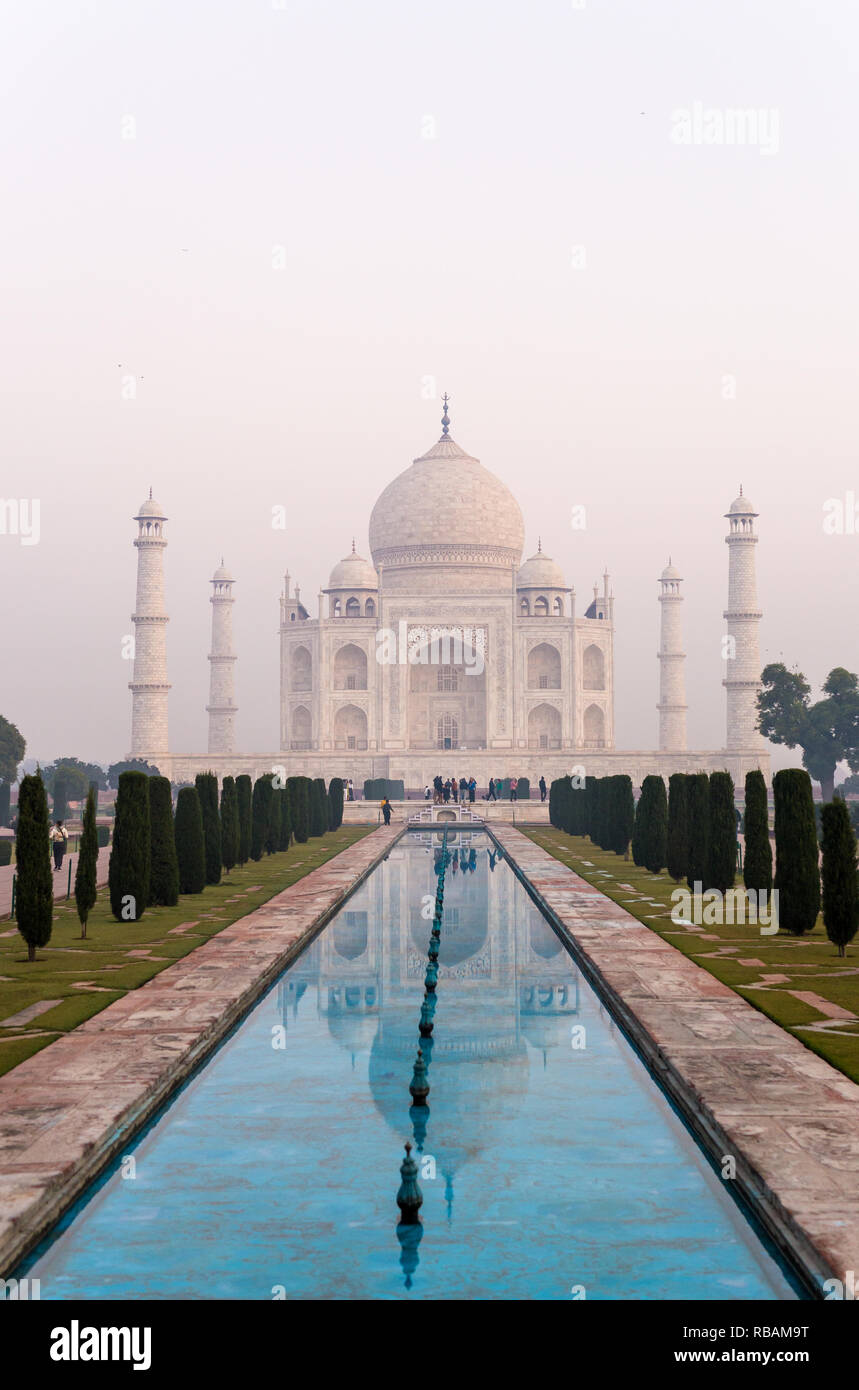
(639, 829)
(758, 855)
(797, 877)
(244, 798)
(335, 803)
(838, 872)
(722, 849)
(86, 874)
(229, 824)
(698, 794)
(93, 786)
(260, 814)
(190, 841)
(164, 866)
(623, 817)
(653, 833)
(677, 845)
(299, 803)
(207, 790)
(554, 790)
(131, 853)
(318, 807)
(61, 798)
(590, 816)
(34, 899)
(285, 819)
(272, 839)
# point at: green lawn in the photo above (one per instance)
(808, 963)
(85, 976)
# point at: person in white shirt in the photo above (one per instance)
(59, 839)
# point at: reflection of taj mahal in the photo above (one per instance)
(446, 539)
(499, 961)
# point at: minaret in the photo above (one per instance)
(149, 686)
(743, 657)
(221, 707)
(672, 683)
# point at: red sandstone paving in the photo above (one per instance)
(66, 1103)
(792, 1116)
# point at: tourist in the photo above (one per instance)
(439, 790)
(427, 793)
(514, 782)
(59, 840)
(542, 789)
(454, 788)
(446, 791)
(472, 789)
(386, 810)
(491, 860)
(350, 791)
(490, 795)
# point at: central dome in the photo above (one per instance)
(446, 510)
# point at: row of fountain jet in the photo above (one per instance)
(410, 1197)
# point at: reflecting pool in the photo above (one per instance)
(551, 1165)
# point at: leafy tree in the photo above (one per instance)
(827, 732)
(261, 814)
(677, 844)
(797, 877)
(115, 771)
(722, 847)
(849, 787)
(131, 853)
(698, 794)
(244, 797)
(838, 872)
(77, 775)
(207, 790)
(190, 841)
(229, 824)
(164, 862)
(86, 874)
(758, 855)
(335, 803)
(34, 901)
(13, 746)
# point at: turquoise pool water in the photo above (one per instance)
(552, 1167)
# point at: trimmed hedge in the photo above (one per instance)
(698, 858)
(261, 814)
(838, 871)
(207, 790)
(164, 865)
(229, 824)
(797, 877)
(318, 807)
(5, 852)
(335, 803)
(244, 797)
(34, 902)
(103, 834)
(677, 842)
(131, 854)
(758, 855)
(722, 847)
(299, 804)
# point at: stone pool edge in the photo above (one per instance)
(142, 1066)
(788, 1213)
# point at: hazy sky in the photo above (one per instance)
(282, 219)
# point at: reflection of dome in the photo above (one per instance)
(545, 1032)
(446, 508)
(543, 940)
(540, 572)
(350, 938)
(457, 943)
(354, 572)
(477, 1080)
(354, 1032)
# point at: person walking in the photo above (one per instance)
(59, 840)
(542, 789)
(386, 810)
(472, 789)
(490, 795)
(514, 782)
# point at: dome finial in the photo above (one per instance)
(539, 545)
(150, 494)
(353, 545)
(445, 422)
(741, 489)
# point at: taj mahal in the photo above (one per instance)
(446, 652)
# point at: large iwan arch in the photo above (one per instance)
(593, 668)
(301, 669)
(544, 727)
(350, 668)
(544, 667)
(594, 727)
(350, 727)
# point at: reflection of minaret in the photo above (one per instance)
(149, 684)
(221, 707)
(744, 663)
(672, 686)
